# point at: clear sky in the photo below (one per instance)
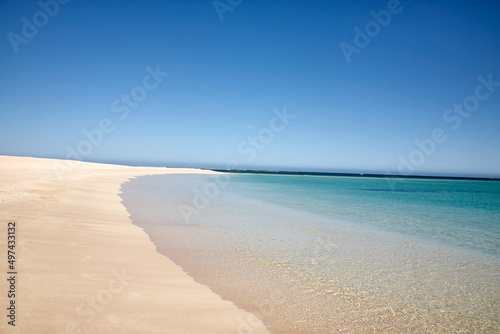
(364, 86)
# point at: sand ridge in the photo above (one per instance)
(83, 267)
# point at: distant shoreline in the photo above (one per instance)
(299, 173)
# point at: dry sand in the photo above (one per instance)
(83, 267)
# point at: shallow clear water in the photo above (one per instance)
(325, 254)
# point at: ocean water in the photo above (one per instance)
(328, 254)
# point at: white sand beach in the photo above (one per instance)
(83, 267)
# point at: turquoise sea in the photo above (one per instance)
(328, 254)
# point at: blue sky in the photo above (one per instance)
(228, 79)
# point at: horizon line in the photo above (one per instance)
(350, 174)
(266, 170)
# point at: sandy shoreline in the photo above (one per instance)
(83, 267)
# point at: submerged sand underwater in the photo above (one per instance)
(304, 272)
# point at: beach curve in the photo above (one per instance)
(83, 267)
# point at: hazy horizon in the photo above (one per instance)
(258, 168)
